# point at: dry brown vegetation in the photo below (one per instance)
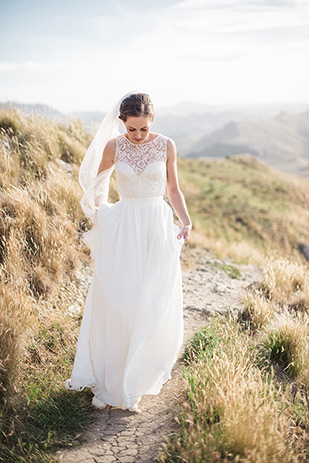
(279, 310)
(247, 382)
(41, 222)
(39, 213)
(236, 411)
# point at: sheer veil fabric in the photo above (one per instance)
(96, 187)
(132, 326)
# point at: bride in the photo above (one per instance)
(132, 326)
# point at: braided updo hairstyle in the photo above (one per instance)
(136, 105)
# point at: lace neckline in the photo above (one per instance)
(143, 144)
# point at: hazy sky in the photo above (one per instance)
(84, 55)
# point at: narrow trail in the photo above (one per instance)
(126, 437)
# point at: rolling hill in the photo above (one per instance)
(281, 142)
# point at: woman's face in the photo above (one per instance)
(138, 128)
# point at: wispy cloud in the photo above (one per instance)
(32, 66)
(243, 50)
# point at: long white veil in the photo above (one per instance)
(96, 187)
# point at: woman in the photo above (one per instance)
(132, 327)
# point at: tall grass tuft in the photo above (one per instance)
(286, 282)
(278, 313)
(287, 341)
(203, 343)
(257, 311)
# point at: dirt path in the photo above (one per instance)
(125, 437)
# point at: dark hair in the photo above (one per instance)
(136, 105)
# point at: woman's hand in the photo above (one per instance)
(185, 232)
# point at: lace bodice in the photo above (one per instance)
(141, 169)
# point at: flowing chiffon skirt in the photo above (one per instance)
(132, 327)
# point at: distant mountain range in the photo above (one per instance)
(40, 109)
(281, 141)
(278, 135)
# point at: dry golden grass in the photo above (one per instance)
(286, 282)
(248, 400)
(285, 285)
(232, 413)
(40, 216)
(258, 310)
(279, 310)
(39, 244)
(16, 319)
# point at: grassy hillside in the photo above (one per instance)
(280, 141)
(242, 209)
(239, 209)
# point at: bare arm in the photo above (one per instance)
(174, 193)
(108, 156)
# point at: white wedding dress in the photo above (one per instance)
(132, 327)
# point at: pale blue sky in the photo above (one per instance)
(84, 55)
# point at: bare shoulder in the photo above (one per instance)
(110, 149)
(108, 155)
(171, 149)
(111, 144)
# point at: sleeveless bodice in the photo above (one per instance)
(141, 169)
